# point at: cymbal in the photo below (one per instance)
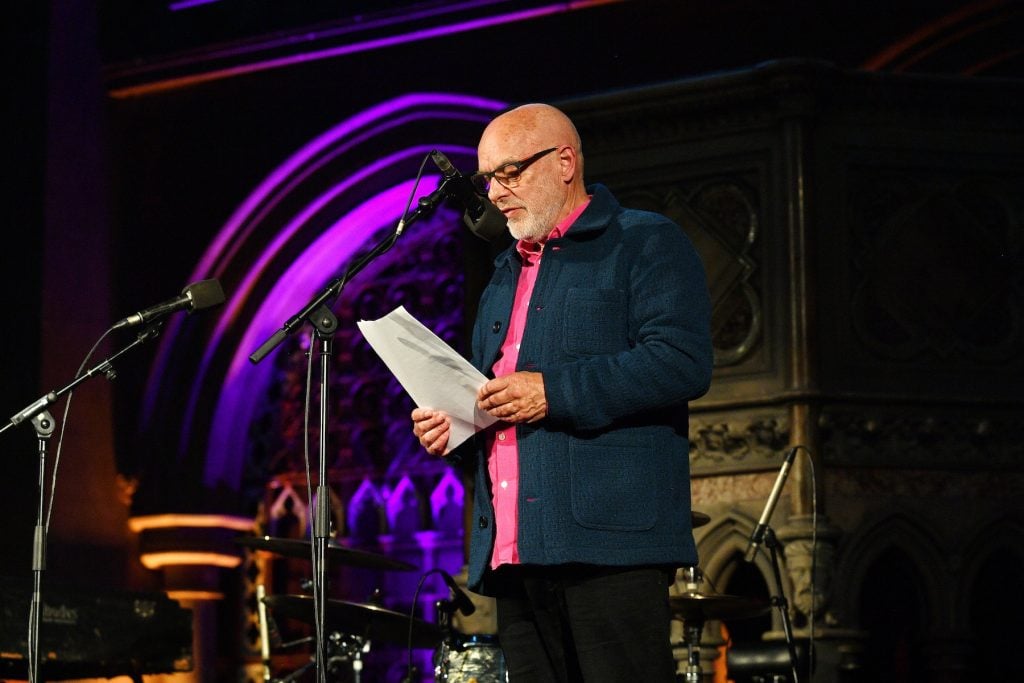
(698, 519)
(293, 547)
(367, 621)
(700, 607)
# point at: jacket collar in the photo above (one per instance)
(603, 206)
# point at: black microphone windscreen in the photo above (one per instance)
(462, 601)
(204, 294)
(492, 224)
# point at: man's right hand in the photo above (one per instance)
(432, 428)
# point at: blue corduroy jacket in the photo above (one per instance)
(618, 326)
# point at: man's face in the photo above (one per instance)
(533, 204)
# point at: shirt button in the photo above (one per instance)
(482, 522)
(504, 484)
(496, 327)
(501, 436)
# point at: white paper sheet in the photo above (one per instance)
(431, 371)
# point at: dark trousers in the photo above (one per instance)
(581, 623)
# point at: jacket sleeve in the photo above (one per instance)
(669, 356)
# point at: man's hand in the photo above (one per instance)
(432, 428)
(518, 397)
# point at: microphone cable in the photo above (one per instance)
(412, 621)
(445, 627)
(814, 563)
(318, 609)
(412, 193)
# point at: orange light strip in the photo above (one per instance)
(189, 596)
(178, 558)
(178, 520)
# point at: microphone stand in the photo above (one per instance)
(44, 426)
(780, 601)
(43, 423)
(318, 313)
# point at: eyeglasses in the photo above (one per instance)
(508, 175)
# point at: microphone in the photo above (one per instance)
(491, 226)
(757, 537)
(481, 216)
(194, 297)
(460, 599)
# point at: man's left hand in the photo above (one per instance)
(518, 397)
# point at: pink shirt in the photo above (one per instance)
(503, 458)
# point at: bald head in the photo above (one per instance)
(534, 126)
(546, 144)
(538, 123)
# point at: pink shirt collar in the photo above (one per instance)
(527, 248)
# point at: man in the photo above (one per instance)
(595, 327)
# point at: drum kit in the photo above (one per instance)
(458, 658)
(694, 607)
(353, 627)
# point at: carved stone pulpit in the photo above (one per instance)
(862, 236)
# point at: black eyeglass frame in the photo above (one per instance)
(482, 181)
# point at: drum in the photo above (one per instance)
(470, 659)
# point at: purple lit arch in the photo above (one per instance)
(294, 232)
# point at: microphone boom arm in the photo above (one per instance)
(106, 367)
(425, 206)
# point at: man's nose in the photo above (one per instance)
(496, 190)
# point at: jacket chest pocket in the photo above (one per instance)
(595, 321)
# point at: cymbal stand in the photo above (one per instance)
(693, 578)
(693, 628)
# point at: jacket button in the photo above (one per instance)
(483, 522)
(496, 327)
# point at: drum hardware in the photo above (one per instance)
(350, 627)
(368, 622)
(341, 649)
(261, 613)
(336, 552)
(298, 672)
(353, 627)
(766, 661)
(473, 658)
(270, 637)
(462, 658)
(693, 608)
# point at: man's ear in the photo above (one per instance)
(568, 159)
